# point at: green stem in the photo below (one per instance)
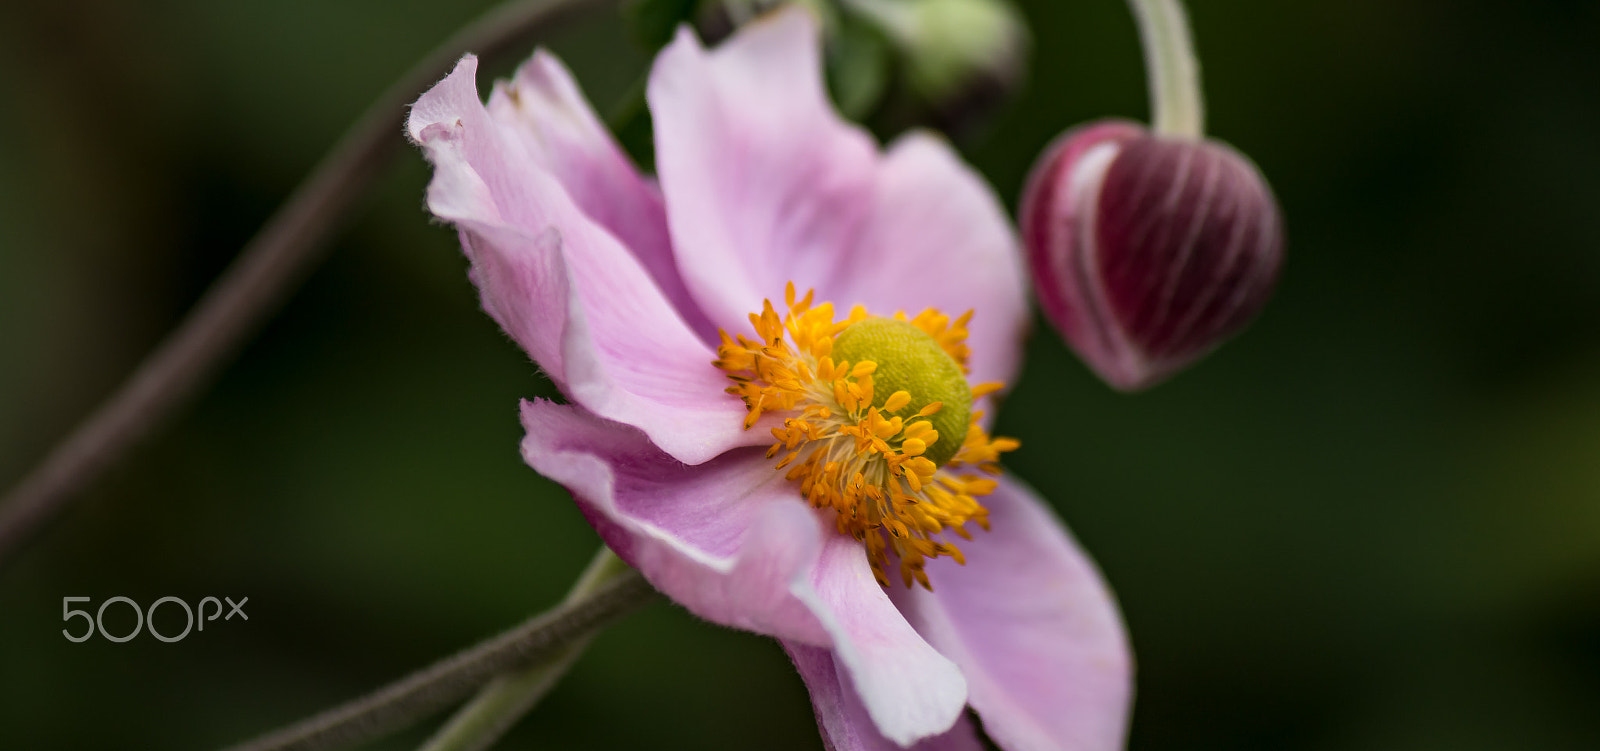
(506, 699)
(542, 640)
(1176, 105)
(258, 280)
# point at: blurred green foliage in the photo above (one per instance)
(1371, 522)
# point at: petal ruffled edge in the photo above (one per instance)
(543, 106)
(564, 287)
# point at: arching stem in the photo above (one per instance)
(1177, 107)
(544, 640)
(507, 698)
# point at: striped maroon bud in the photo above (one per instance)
(1148, 251)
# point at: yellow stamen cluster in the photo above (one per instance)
(854, 453)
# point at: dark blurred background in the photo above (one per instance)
(1370, 522)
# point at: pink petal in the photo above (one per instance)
(843, 719)
(543, 107)
(910, 690)
(938, 237)
(764, 183)
(729, 539)
(732, 541)
(565, 288)
(1034, 629)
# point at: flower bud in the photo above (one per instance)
(1147, 251)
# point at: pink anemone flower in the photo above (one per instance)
(793, 469)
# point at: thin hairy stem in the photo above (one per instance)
(257, 282)
(507, 698)
(542, 640)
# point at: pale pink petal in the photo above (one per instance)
(764, 183)
(729, 539)
(564, 287)
(732, 541)
(843, 719)
(909, 690)
(1034, 629)
(938, 237)
(543, 107)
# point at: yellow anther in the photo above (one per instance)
(984, 389)
(897, 401)
(889, 480)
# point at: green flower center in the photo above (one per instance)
(910, 360)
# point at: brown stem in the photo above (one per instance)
(394, 707)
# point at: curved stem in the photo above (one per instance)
(541, 640)
(506, 699)
(257, 282)
(1177, 107)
